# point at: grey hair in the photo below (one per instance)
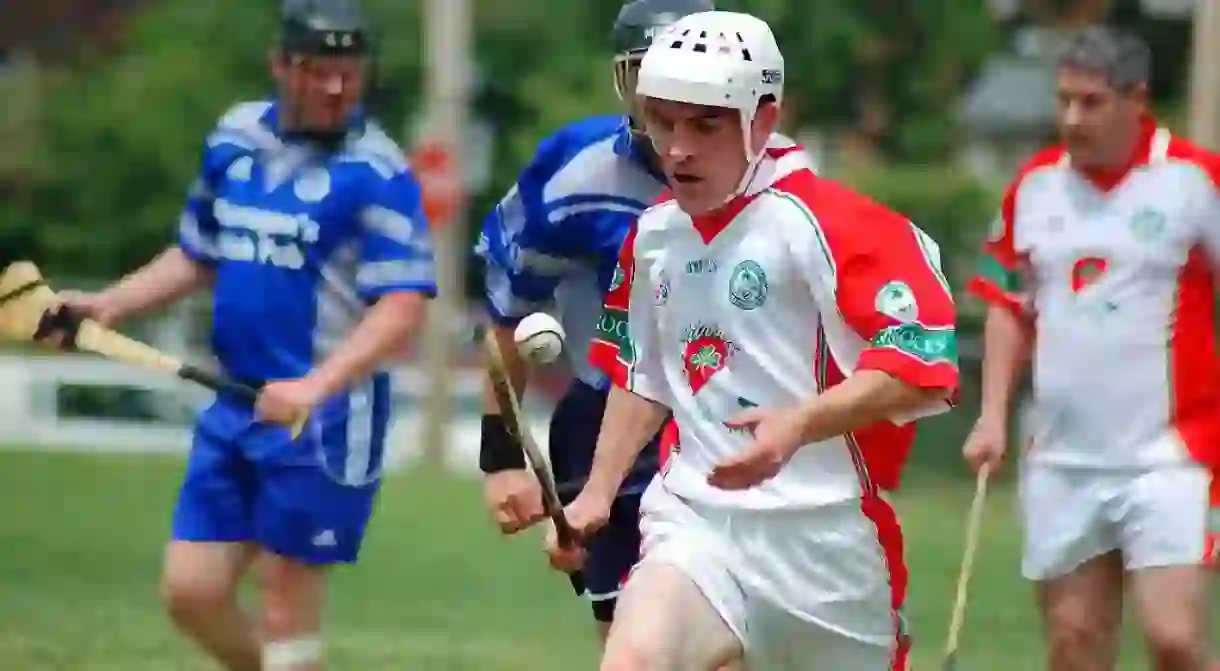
(1123, 58)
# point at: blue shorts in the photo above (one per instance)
(308, 500)
(615, 550)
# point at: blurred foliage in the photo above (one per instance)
(120, 136)
(945, 202)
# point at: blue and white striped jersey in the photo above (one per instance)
(552, 243)
(302, 241)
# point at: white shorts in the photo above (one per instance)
(1155, 517)
(825, 584)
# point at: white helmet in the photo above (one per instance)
(719, 59)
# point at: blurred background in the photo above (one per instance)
(925, 105)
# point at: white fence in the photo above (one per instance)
(33, 417)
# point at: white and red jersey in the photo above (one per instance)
(1120, 269)
(769, 302)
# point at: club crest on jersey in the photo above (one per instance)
(1147, 224)
(896, 301)
(660, 296)
(1086, 272)
(748, 285)
(706, 352)
(619, 277)
(313, 185)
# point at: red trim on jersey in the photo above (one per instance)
(1194, 368)
(711, 224)
(604, 354)
(991, 292)
(1001, 248)
(872, 246)
(669, 441)
(1108, 178)
(913, 371)
(889, 537)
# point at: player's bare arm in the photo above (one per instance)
(168, 278)
(383, 332)
(380, 336)
(629, 423)
(863, 399)
(510, 490)
(1006, 354)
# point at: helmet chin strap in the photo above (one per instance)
(753, 161)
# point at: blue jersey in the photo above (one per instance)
(552, 243)
(302, 240)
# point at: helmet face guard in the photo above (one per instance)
(639, 22)
(323, 45)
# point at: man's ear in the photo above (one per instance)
(765, 121)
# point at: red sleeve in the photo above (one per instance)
(618, 344)
(999, 277)
(611, 350)
(891, 292)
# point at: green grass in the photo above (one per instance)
(437, 590)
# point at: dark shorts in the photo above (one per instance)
(615, 550)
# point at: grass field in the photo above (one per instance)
(80, 542)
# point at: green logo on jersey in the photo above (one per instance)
(929, 345)
(612, 327)
(620, 276)
(896, 301)
(748, 285)
(1148, 223)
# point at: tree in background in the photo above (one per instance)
(120, 136)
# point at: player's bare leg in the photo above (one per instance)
(603, 632)
(1081, 613)
(199, 588)
(663, 623)
(1172, 603)
(292, 614)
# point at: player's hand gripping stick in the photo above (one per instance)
(31, 312)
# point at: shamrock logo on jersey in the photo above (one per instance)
(748, 285)
(703, 358)
(1086, 272)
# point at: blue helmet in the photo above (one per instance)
(637, 23)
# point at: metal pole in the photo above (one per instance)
(1205, 75)
(448, 36)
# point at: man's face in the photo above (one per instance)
(1096, 120)
(321, 91)
(701, 149)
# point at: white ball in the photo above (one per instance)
(539, 338)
